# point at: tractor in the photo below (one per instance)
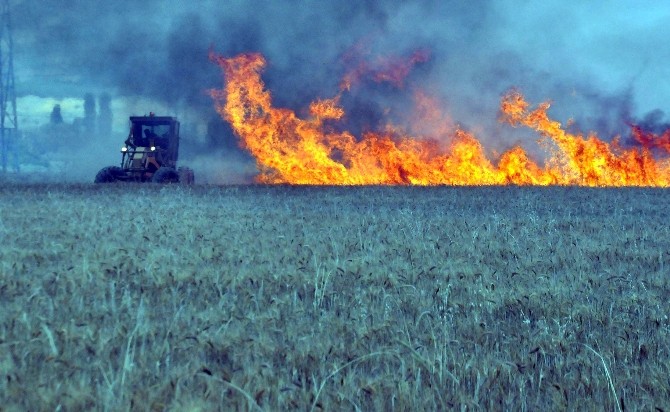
(149, 154)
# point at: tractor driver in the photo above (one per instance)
(153, 137)
(149, 135)
(134, 140)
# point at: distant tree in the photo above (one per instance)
(89, 114)
(56, 116)
(105, 115)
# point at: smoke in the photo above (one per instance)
(602, 65)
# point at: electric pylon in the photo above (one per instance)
(8, 123)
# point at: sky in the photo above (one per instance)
(601, 64)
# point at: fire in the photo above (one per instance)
(591, 161)
(650, 140)
(391, 70)
(290, 149)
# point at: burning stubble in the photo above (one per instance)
(291, 149)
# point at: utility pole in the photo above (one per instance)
(8, 123)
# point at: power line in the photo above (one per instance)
(8, 122)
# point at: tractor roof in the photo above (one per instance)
(150, 119)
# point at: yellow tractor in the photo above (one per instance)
(149, 154)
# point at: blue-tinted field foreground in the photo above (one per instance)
(331, 298)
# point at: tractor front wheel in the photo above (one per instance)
(109, 174)
(165, 175)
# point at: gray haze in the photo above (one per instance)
(601, 65)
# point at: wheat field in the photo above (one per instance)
(148, 297)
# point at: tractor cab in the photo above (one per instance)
(155, 131)
(156, 137)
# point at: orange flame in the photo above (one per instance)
(650, 140)
(292, 150)
(590, 161)
(391, 70)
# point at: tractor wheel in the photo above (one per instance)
(186, 176)
(109, 174)
(165, 175)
